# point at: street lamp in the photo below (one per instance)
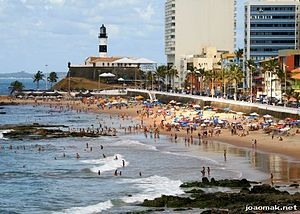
(46, 77)
(251, 82)
(285, 88)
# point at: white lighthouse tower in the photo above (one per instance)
(102, 41)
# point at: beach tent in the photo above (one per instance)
(267, 116)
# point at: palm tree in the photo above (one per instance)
(236, 75)
(224, 77)
(210, 77)
(250, 65)
(160, 73)
(172, 73)
(239, 54)
(52, 78)
(148, 79)
(37, 78)
(16, 86)
(201, 73)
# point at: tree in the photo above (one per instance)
(160, 73)
(16, 86)
(239, 54)
(172, 73)
(52, 78)
(224, 77)
(236, 75)
(37, 78)
(250, 66)
(201, 73)
(210, 77)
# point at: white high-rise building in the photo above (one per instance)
(191, 25)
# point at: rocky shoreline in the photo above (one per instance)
(38, 131)
(250, 194)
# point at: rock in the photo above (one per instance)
(265, 188)
(245, 190)
(37, 131)
(205, 180)
(197, 191)
(294, 185)
(168, 201)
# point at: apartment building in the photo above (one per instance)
(191, 25)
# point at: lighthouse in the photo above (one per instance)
(102, 41)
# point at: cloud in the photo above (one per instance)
(147, 13)
(57, 2)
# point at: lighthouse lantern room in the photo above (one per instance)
(102, 41)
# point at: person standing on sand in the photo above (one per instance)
(208, 171)
(271, 178)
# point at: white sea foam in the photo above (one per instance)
(107, 164)
(89, 209)
(134, 143)
(152, 187)
(192, 156)
(4, 131)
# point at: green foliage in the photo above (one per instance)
(38, 77)
(16, 86)
(52, 78)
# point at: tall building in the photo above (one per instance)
(191, 25)
(270, 26)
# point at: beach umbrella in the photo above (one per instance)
(240, 113)
(107, 75)
(139, 97)
(196, 106)
(120, 79)
(254, 114)
(206, 121)
(267, 116)
(202, 125)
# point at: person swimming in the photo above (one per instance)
(123, 161)
(77, 155)
(101, 147)
(116, 172)
(103, 155)
(140, 173)
(99, 172)
(116, 158)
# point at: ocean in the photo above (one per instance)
(27, 82)
(45, 181)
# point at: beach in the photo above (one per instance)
(289, 146)
(155, 162)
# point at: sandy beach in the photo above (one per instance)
(287, 145)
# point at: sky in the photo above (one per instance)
(47, 34)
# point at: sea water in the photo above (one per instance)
(34, 181)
